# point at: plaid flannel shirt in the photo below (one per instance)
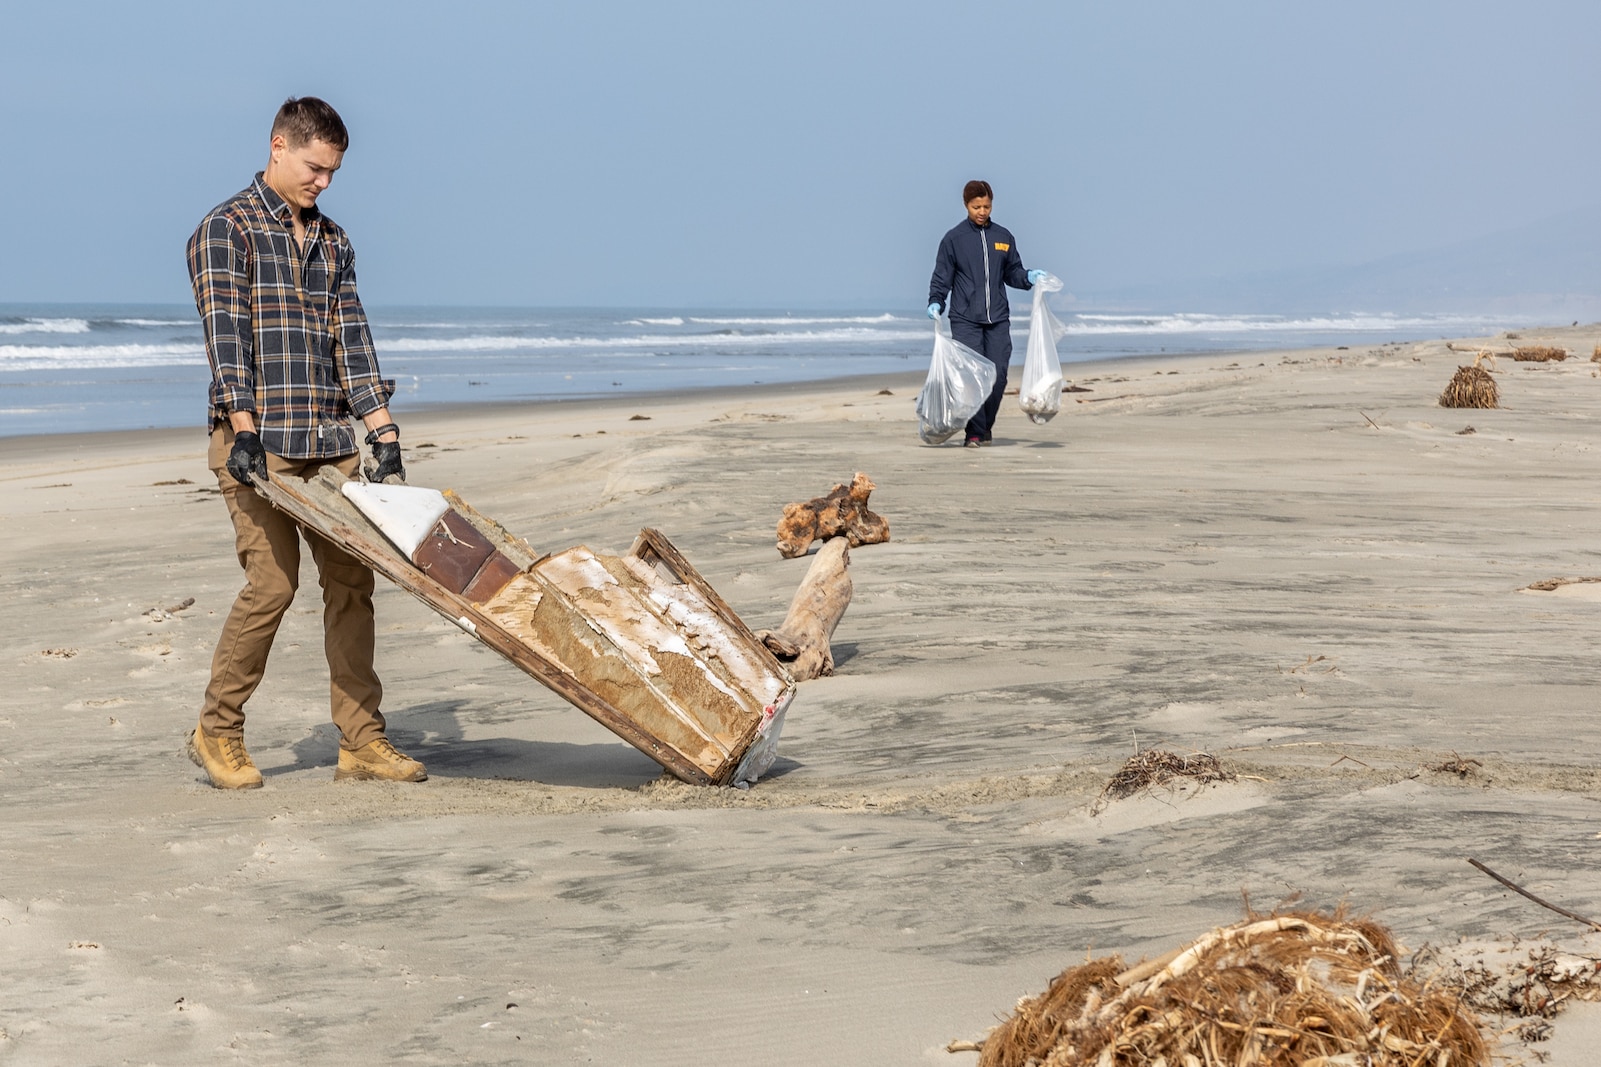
(285, 332)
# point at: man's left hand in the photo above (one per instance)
(1034, 276)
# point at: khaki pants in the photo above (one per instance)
(268, 543)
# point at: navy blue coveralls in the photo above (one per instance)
(973, 266)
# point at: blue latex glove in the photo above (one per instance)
(933, 311)
(1034, 276)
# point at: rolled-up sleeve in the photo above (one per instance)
(354, 356)
(219, 271)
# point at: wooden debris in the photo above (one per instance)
(819, 604)
(1472, 387)
(1539, 354)
(1595, 356)
(640, 643)
(1297, 989)
(1472, 349)
(842, 512)
(1591, 923)
(1155, 767)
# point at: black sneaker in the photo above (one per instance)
(973, 442)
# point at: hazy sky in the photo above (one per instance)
(791, 155)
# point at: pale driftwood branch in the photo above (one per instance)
(1591, 923)
(814, 613)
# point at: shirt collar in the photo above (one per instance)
(278, 207)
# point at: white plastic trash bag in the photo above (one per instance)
(1040, 395)
(959, 381)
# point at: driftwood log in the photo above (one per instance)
(842, 512)
(819, 603)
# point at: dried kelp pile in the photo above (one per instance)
(1595, 356)
(1299, 989)
(1472, 387)
(1539, 354)
(1155, 767)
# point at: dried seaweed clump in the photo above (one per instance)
(1471, 387)
(1154, 767)
(1298, 989)
(1595, 356)
(1539, 354)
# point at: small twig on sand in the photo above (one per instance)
(1591, 923)
(965, 1046)
(1370, 421)
(1353, 759)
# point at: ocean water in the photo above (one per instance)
(71, 368)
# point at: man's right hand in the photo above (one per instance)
(247, 457)
(933, 311)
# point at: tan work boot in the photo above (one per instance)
(224, 760)
(379, 759)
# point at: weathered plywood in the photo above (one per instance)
(659, 659)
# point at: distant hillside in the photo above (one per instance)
(1550, 269)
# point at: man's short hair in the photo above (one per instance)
(305, 119)
(975, 189)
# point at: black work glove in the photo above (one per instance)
(386, 463)
(247, 457)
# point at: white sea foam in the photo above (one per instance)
(379, 327)
(501, 343)
(46, 326)
(673, 321)
(787, 320)
(1203, 323)
(156, 322)
(83, 357)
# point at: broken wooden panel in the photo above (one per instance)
(658, 658)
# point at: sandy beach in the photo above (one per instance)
(1295, 561)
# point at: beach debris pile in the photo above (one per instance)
(1154, 767)
(1539, 354)
(841, 512)
(1463, 767)
(1547, 585)
(1595, 356)
(1472, 386)
(1292, 989)
(1528, 980)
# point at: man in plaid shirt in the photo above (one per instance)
(291, 361)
